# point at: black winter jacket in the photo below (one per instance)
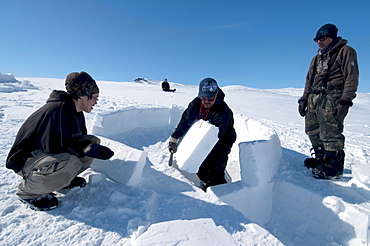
(54, 128)
(220, 115)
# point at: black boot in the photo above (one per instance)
(42, 203)
(76, 182)
(318, 159)
(333, 166)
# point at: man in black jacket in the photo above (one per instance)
(52, 146)
(209, 106)
(166, 86)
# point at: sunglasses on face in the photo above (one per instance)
(203, 99)
(321, 38)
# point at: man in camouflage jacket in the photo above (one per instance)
(330, 88)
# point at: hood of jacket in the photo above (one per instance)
(56, 96)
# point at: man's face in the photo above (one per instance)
(323, 42)
(207, 102)
(87, 104)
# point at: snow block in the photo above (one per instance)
(175, 115)
(196, 145)
(250, 129)
(126, 166)
(254, 202)
(202, 231)
(259, 157)
(121, 121)
(259, 160)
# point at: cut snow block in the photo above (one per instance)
(175, 115)
(125, 167)
(196, 145)
(254, 202)
(201, 231)
(111, 124)
(259, 160)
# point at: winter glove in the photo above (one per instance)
(302, 107)
(172, 144)
(340, 112)
(85, 141)
(99, 152)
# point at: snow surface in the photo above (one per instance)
(137, 199)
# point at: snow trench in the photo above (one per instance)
(253, 189)
(251, 176)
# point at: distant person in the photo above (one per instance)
(166, 86)
(331, 85)
(52, 146)
(210, 106)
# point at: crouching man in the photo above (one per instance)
(52, 146)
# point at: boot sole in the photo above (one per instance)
(33, 207)
(318, 176)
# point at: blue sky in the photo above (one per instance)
(259, 44)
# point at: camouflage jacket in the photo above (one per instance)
(343, 74)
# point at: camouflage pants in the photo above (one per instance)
(322, 128)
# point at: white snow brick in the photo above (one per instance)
(196, 145)
(259, 160)
(126, 165)
(254, 202)
(201, 231)
(114, 123)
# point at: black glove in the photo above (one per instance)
(82, 143)
(302, 107)
(172, 144)
(99, 152)
(340, 112)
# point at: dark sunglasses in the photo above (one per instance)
(321, 38)
(207, 99)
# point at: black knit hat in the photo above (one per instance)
(80, 84)
(207, 88)
(326, 31)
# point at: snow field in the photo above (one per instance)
(136, 195)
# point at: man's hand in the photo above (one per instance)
(340, 112)
(172, 144)
(99, 152)
(302, 107)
